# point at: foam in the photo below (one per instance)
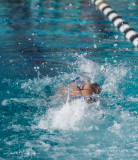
(132, 99)
(89, 69)
(65, 117)
(71, 116)
(29, 101)
(113, 77)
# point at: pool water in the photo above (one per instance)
(44, 43)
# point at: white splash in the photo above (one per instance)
(132, 99)
(89, 69)
(71, 116)
(66, 117)
(113, 76)
(28, 101)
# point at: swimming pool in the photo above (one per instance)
(43, 44)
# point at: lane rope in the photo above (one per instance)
(117, 20)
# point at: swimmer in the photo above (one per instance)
(81, 88)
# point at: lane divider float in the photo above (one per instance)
(117, 20)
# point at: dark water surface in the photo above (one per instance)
(43, 43)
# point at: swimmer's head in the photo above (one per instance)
(96, 88)
(90, 89)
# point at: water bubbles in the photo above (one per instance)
(76, 54)
(51, 8)
(102, 68)
(42, 43)
(95, 46)
(105, 59)
(11, 60)
(70, 4)
(115, 45)
(116, 36)
(126, 49)
(37, 68)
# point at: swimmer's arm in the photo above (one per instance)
(63, 90)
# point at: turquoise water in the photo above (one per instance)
(43, 44)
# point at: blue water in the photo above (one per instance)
(43, 44)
